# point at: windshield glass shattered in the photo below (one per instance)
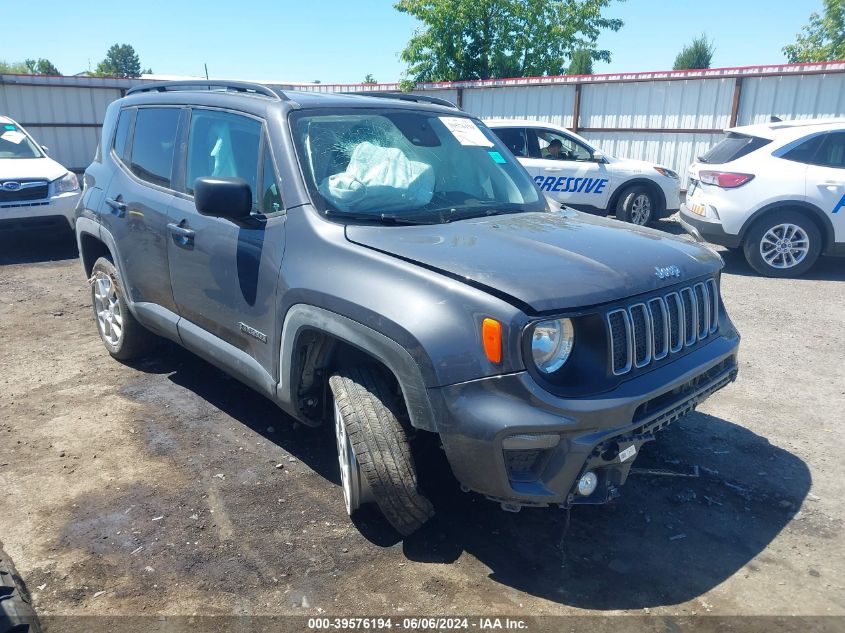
(409, 166)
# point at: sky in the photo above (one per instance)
(340, 41)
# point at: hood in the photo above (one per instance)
(547, 261)
(635, 166)
(30, 168)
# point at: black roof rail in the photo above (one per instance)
(211, 84)
(405, 96)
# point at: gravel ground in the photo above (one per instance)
(167, 488)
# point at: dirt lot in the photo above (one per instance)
(154, 488)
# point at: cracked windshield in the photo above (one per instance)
(411, 166)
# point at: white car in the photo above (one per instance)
(35, 190)
(573, 172)
(775, 190)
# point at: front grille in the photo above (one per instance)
(29, 190)
(646, 332)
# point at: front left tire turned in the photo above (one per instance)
(374, 451)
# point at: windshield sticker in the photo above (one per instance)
(497, 157)
(571, 185)
(466, 131)
(13, 137)
(9, 126)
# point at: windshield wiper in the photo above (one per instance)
(383, 218)
(470, 212)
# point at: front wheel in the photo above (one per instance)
(637, 206)
(782, 244)
(374, 452)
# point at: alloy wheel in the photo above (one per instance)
(784, 246)
(107, 308)
(356, 490)
(641, 210)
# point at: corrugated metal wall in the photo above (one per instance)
(543, 103)
(62, 113)
(619, 113)
(690, 103)
(791, 97)
(676, 151)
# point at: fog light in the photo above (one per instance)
(587, 484)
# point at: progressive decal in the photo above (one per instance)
(571, 185)
(839, 205)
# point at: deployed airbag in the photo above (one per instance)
(380, 179)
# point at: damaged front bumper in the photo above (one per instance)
(510, 440)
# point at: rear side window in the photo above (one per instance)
(514, 138)
(224, 145)
(121, 134)
(154, 144)
(732, 147)
(804, 152)
(832, 151)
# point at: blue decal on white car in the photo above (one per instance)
(571, 185)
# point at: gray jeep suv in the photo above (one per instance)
(383, 263)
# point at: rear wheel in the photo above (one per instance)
(782, 244)
(120, 332)
(374, 452)
(637, 206)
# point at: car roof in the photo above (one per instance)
(789, 129)
(5, 119)
(188, 91)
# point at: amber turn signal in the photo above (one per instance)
(491, 335)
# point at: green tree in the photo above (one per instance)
(697, 54)
(13, 68)
(121, 61)
(581, 64)
(482, 39)
(823, 39)
(369, 79)
(41, 66)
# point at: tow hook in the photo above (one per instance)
(607, 469)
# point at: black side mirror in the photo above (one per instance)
(229, 198)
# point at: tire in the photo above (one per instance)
(16, 612)
(637, 205)
(383, 462)
(124, 338)
(782, 244)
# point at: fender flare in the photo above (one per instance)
(815, 212)
(104, 236)
(302, 318)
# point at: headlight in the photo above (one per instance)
(663, 171)
(66, 183)
(551, 344)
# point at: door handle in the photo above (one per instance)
(831, 184)
(182, 236)
(553, 169)
(117, 206)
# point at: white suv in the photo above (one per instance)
(775, 190)
(35, 190)
(573, 172)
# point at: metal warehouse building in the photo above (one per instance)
(666, 117)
